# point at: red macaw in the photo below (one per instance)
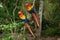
(30, 9)
(23, 17)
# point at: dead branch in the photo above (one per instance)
(40, 14)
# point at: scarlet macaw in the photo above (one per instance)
(30, 9)
(23, 17)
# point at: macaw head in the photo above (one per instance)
(28, 6)
(21, 15)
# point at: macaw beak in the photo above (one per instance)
(35, 18)
(28, 26)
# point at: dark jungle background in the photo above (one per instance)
(12, 28)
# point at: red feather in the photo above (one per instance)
(28, 26)
(35, 18)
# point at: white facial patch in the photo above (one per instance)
(19, 12)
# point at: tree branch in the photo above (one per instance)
(34, 2)
(40, 14)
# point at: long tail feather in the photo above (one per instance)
(35, 18)
(29, 28)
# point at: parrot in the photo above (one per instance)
(23, 17)
(31, 10)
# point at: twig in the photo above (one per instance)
(6, 7)
(34, 2)
(23, 8)
(14, 11)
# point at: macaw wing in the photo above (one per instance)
(23, 17)
(29, 8)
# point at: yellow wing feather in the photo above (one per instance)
(30, 8)
(23, 17)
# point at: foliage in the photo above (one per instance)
(8, 38)
(10, 22)
(51, 17)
